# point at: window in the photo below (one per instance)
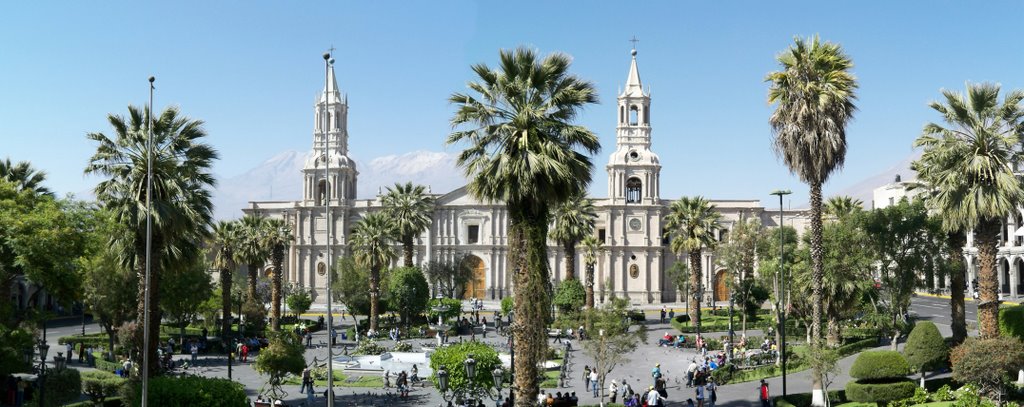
(633, 189)
(473, 234)
(321, 192)
(723, 235)
(892, 201)
(647, 115)
(633, 115)
(600, 235)
(622, 114)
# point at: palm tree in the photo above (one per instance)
(278, 237)
(970, 163)
(225, 240)
(814, 94)
(591, 248)
(371, 243)
(574, 219)
(252, 249)
(692, 222)
(523, 151)
(24, 176)
(182, 210)
(841, 206)
(409, 207)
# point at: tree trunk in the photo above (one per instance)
(407, 249)
(154, 304)
(988, 280)
(834, 337)
(817, 274)
(254, 271)
(275, 288)
(590, 286)
(957, 285)
(374, 296)
(529, 267)
(570, 260)
(695, 288)
(225, 300)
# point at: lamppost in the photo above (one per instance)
(328, 61)
(149, 250)
(43, 349)
(472, 391)
(780, 277)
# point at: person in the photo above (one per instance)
(711, 392)
(671, 314)
(127, 368)
(306, 382)
(245, 352)
(205, 333)
(82, 355)
(309, 339)
(593, 381)
(689, 403)
(483, 326)
(415, 376)
(70, 347)
(195, 353)
(699, 395)
(387, 379)
(310, 395)
(613, 390)
(663, 313)
(665, 340)
(656, 372)
(691, 370)
(334, 336)
(558, 336)
(586, 377)
(680, 341)
(653, 398)
(763, 394)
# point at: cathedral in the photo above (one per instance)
(630, 221)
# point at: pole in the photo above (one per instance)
(327, 215)
(781, 287)
(149, 249)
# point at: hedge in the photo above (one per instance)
(1011, 321)
(193, 391)
(880, 364)
(854, 347)
(100, 386)
(880, 392)
(804, 399)
(111, 402)
(62, 387)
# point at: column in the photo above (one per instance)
(1014, 270)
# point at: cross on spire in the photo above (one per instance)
(634, 41)
(331, 50)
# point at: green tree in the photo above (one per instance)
(613, 337)
(252, 249)
(182, 210)
(299, 302)
(185, 287)
(814, 94)
(574, 220)
(692, 223)
(902, 237)
(570, 296)
(24, 177)
(109, 292)
(352, 286)
(970, 163)
(278, 237)
(524, 151)
(449, 277)
(452, 359)
(768, 268)
(283, 356)
(591, 249)
(842, 206)
(225, 241)
(925, 350)
(739, 256)
(408, 292)
(371, 242)
(987, 363)
(410, 208)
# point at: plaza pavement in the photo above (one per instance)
(636, 371)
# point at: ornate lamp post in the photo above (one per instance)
(43, 349)
(780, 277)
(472, 391)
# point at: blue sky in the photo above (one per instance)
(251, 70)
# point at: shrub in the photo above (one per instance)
(804, 399)
(507, 304)
(192, 391)
(944, 393)
(925, 350)
(880, 392)
(987, 363)
(854, 347)
(877, 365)
(452, 358)
(369, 347)
(61, 387)
(100, 385)
(255, 317)
(1011, 321)
(401, 347)
(570, 296)
(299, 302)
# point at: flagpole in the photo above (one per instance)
(149, 249)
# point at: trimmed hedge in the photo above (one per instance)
(111, 402)
(854, 347)
(804, 399)
(193, 391)
(100, 386)
(1011, 321)
(62, 387)
(880, 392)
(880, 364)
(926, 349)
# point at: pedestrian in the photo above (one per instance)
(70, 347)
(711, 392)
(593, 381)
(671, 314)
(82, 354)
(586, 377)
(484, 326)
(558, 336)
(309, 339)
(700, 396)
(663, 313)
(387, 379)
(195, 353)
(656, 372)
(653, 397)
(613, 390)
(310, 396)
(334, 336)
(763, 394)
(245, 353)
(307, 384)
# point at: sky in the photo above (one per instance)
(251, 70)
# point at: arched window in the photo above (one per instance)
(622, 114)
(633, 189)
(321, 192)
(634, 113)
(647, 115)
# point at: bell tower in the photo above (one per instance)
(330, 142)
(634, 171)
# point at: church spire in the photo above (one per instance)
(634, 88)
(331, 88)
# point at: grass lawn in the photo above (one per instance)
(550, 379)
(342, 380)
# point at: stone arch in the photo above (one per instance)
(634, 189)
(1004, 275)
(321, 191)
(721, 285)
(1019, 270)
(634, 115)
(476, 287)
(268, 272)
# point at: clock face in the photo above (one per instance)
(635, 224)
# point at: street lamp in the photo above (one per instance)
(43, 349)
(472, 391)
(328, 62)
(780, 278)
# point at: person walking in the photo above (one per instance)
(613, 390)
(586, 377)
(653, 397)
(763, 394)
(663, 313)
(306, 382)
(593, 381)
(194, 350)
(656, 373)
(711, 392)
(699, 395)
(309, 339)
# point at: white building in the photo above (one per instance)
(630, 220)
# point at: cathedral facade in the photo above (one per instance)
(630, 221)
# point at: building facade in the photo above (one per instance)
(630, 222)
